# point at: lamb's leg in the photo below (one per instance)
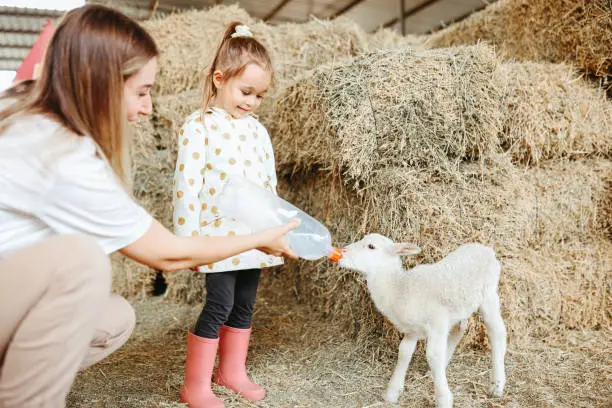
(454, 337)
(496, 330)
(396, 384)
(436, 357)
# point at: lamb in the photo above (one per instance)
(434, 302)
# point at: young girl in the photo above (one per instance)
(220, 139)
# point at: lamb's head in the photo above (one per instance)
(375, 252)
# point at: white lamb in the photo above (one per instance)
(433, 302)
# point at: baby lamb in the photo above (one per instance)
(433, 302)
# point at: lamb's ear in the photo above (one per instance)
(405, 248)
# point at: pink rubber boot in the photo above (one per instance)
(196, 391)
(231, 372)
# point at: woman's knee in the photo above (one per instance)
(112, 331)
(123, 313)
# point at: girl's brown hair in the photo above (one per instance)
(232, 57)
(93, 50)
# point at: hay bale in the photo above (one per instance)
(542, 223)
(154, 151)
(605, 219)
(150, 183)
(187, 42)
(575, 31)
(386, 39)
(131, 279)
(551, 113)
(170, 112)
(425, 109)
(298, 48)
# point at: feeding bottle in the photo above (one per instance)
(259, 208)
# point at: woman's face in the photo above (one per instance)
(137, 91)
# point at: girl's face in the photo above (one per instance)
(243, 93)
(137, 92)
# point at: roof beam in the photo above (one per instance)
(28, 12)
(21, 31)
(410, 12)
(9, 65)
(154, 5)
(346, 8)
(276, 9)
(402, 11)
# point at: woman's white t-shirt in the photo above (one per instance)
(53, 182)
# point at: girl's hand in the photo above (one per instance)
(273, 241)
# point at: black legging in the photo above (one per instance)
(230, 298)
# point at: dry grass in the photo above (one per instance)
(551, 113)
(298, 48)
(543, 223)
(387, 39)
(306, 362)
(187, 42)
(423, 109)
(422, 145)
(414, 152)
(574, 31)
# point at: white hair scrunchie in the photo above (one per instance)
(242, 31)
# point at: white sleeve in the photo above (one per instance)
(87, 198)
(188, 177)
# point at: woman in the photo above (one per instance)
(64, 207)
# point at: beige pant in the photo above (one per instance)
(56, 316)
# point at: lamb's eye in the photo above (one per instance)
(370, 246)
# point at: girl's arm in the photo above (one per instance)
(160, 249)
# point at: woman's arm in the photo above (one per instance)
(160, 249)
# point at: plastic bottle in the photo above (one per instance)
(259, 208)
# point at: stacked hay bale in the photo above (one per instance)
(386, 109)
(575, 31)
(436, 146)
(386, 39)
(187, 42)
(422, 146)
(551, 114)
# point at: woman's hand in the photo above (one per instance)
(274, 243)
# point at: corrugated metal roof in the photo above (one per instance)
(19, 27)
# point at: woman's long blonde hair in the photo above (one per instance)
(93, 50)
(232, 57)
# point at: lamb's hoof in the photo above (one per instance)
(496, 389)
(392, 396)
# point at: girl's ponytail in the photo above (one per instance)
(209, 91)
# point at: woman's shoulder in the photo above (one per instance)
(44, 148)
(41, 136)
